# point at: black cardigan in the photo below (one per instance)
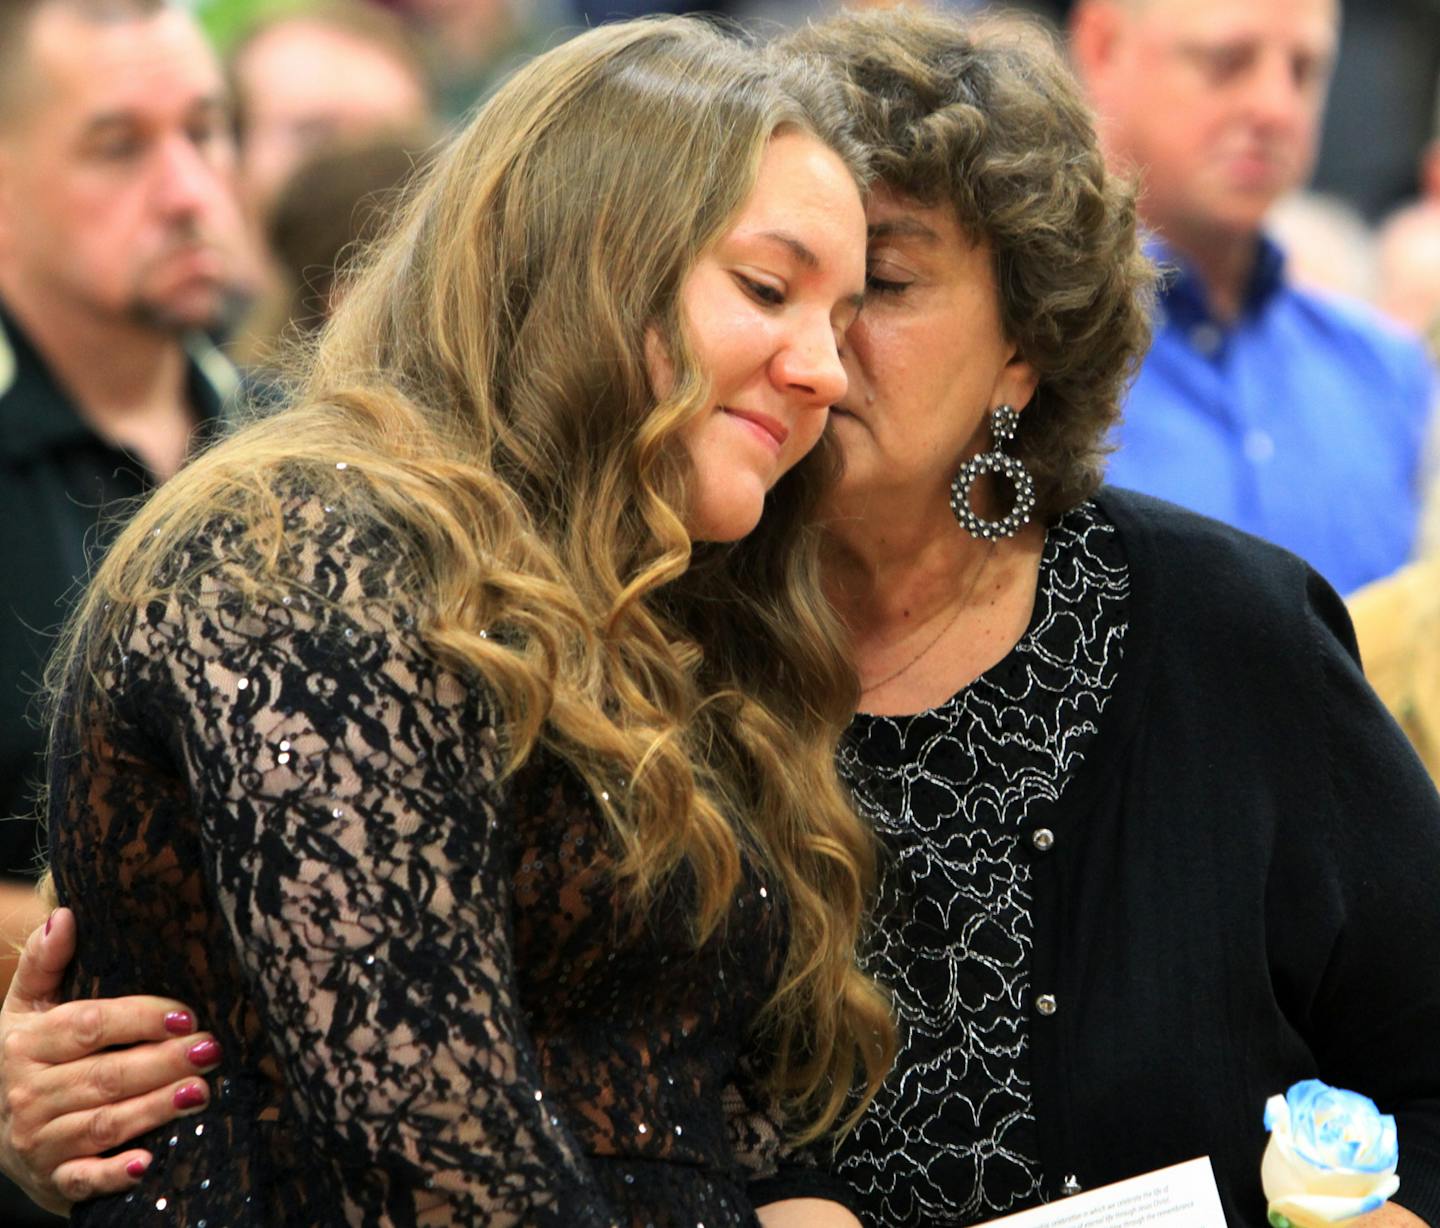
(1243, 888)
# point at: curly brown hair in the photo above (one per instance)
(985, 116)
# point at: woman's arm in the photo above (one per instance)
(1373, 1014)
(363, 877)
(790, 1190)
(808, 1213)
(66, 1092)
(354, 834)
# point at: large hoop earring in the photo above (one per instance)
(1002, 430)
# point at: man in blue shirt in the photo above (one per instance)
(1297, 416)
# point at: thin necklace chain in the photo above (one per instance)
(950, 622)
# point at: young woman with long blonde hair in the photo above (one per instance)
(445, 742)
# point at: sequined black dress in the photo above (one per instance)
(432, 1006)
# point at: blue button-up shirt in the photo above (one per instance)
(1303, 421)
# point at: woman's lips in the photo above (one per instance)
(772, 432)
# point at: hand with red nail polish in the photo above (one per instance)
(179, 1023)
(191, 1096)
(143, 1051)
(204, 1054)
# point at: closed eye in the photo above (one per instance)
(761, 291)
(881, 285)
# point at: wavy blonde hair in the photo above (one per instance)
(485, 379)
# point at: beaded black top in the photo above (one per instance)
(950, 1139)
(433, 1006)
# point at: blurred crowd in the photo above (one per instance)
(180, 187)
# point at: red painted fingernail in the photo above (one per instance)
(179, 1023)
(191, 1096)
(205, 1053)
(49, 921)
(137, 1167)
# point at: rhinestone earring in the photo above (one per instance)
(1002, 430)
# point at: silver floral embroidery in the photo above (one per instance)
(951, 1138)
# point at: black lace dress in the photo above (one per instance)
(433, 1009)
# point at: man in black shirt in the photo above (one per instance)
(118, 230)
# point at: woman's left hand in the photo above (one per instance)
(65, 1096)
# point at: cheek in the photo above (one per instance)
(732, 340)
(1207, 124)
(731, 346)
(896, 341)
(106, 214)
(73, 229)
(891, 374)
(857, 354)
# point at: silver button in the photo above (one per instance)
(1071, 1185)
(1046, 1004)
(1043, 839)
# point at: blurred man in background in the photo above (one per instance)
(331, 73)
(1409, 260)
(1409, 243)
(119, 227)
(1297, 417)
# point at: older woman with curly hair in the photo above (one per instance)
(1148, 832)
(1147, 829)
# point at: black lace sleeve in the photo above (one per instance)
(754, 1124)
(340, 794)
(776, 1170)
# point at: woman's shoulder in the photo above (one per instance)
(303, 597)
(271, 569)
(266, 535)
(1199, 580)
(1197, 551)
(1177, 535)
